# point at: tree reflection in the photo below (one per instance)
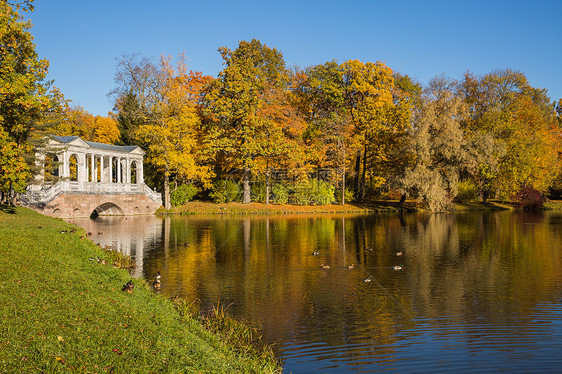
(491, 268)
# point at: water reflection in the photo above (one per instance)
(477, 292)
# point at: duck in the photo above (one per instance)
(399, 253)
(368, 279)
(352, 266)
(128, 287)
(398, 267)
(315, 253)
(323, 266)
(369, 249)
(156, 284)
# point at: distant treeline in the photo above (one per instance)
(351, 130)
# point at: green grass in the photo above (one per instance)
(63, 311)
(201, 207)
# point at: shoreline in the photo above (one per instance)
(371, 207)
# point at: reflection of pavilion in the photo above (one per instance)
(79, 177)
(132, 237)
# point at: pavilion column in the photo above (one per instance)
(102, 172)
(82, 161)
(105, 161)
(127, 171)
(119, 176)
(65, 166)
(110, 169)
(95, 179)
(140, 175)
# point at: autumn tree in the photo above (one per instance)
(23, 93)
(164, 114)
(320, 97)
(372, 109)
(438, 147)
(513, 128)
(76, 121)
(247, 131)
(282, 136)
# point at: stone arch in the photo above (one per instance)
(98, 165)
(113, 170)
(77, 212)
(51, 167)
(88, 168)
(107, 209)
(134, 177)
(136, 210)
(73, 167)
(57, 212)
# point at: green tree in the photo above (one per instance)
(13, 168)
(23, 91)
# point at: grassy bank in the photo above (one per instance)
(370, 206)
(201, 207)
(63, 310)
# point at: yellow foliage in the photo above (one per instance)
(105, 130)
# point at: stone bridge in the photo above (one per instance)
(79, 178)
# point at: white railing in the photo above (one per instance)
(153, 195)
(47, 193)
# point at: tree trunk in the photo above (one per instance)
(343, 177)
(401, 203)
(246, 193)
(485, 195)
(357, 172)
(12, 196)
(363, 174)
(167, 202)
(267, 181)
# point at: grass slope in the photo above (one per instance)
(62, 312)
(202, 207)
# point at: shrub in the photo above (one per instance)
(300, 193)
(322, 193)
(392, 194)
(225, 191)
(280, 194)
(529, 198)
(183, 194)
(468, 190)
(349, 195)
(258, 192)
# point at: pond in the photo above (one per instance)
(477, 292)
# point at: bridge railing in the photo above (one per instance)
(47, 193)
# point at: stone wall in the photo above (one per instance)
(68, 205)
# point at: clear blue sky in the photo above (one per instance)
(83, 39)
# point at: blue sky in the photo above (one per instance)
(83, 39)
